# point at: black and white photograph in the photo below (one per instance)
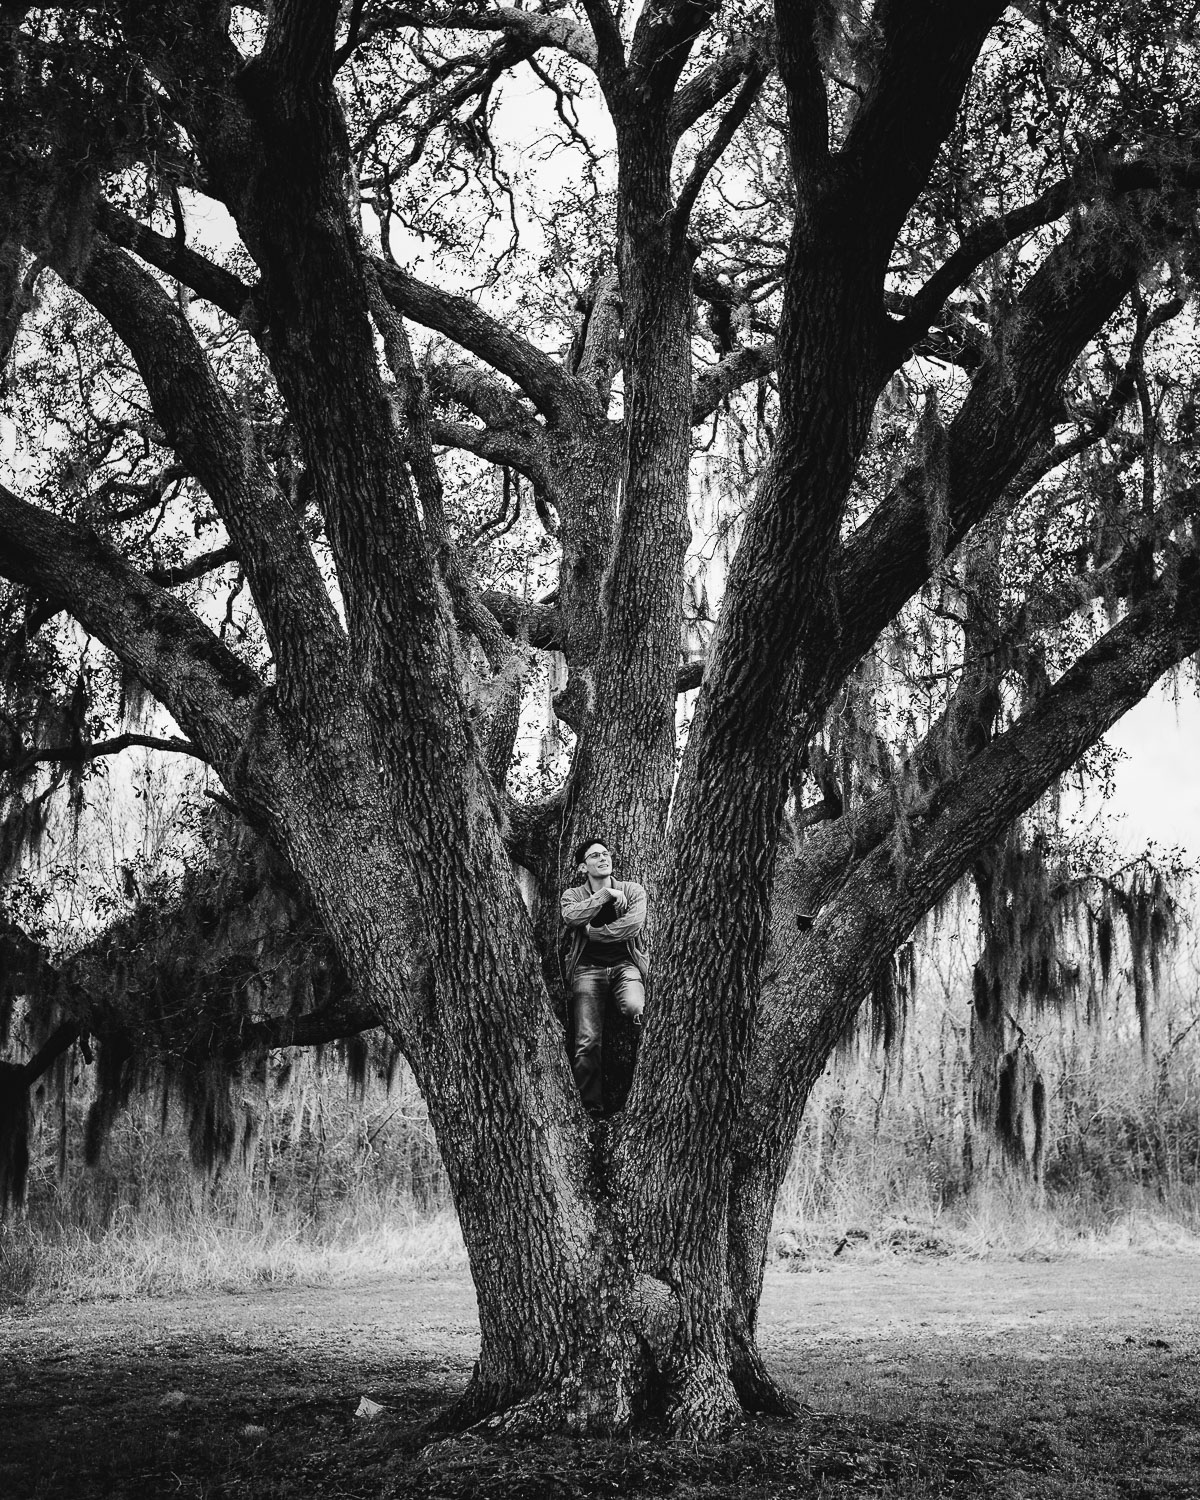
(600, 749)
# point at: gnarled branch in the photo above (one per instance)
(543, 381)
(733, 372)
(209, 436)
(96, 749)
(208, 280)
(208, 690)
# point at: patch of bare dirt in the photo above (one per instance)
(1073, 1379)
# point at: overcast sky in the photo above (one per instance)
(1157, 792)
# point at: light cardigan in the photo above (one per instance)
(580, 904)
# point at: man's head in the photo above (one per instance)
(593, 858)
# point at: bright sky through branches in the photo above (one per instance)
(1157, 790)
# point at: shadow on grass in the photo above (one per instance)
(216, 1420)
(284, 1442)
(1075, 1381)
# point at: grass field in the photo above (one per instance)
(1075, 1377)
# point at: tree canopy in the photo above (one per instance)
(806, 394)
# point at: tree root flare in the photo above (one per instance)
(700, 1399)
(757, 1390)
(704, 1404)
(487, 1409)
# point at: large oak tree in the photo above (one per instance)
(985, 211)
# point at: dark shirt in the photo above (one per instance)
(597, 954)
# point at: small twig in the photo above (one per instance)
(207, 562)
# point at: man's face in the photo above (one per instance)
(598, 861)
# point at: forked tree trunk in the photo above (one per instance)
(676, 1164)
(554, 1284)
(617, 1267)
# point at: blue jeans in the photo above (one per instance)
(590, 990)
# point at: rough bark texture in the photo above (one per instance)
(618, 1266)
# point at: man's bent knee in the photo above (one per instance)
(629, 992)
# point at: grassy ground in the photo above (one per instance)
(924, 1374)
(169, 1245)
(155, 1254)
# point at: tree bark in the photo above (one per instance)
(822, 969)
(621, 1264)
(621, 778)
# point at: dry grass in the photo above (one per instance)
(159, 1251)
(345, 1184)
(157, 1254)
(1002, 1223)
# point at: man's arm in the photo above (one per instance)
(577, 909)
(631, 923)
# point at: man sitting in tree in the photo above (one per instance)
(604, 917)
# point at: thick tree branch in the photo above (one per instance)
(481, 391)
(928, 49)
(95, 749)
(501, 447)
(511, 437)
(531, 837)
(84, 989)
(717, 80)
(610, 49)
(710, 154)
(210, 438)
(334, 1022)
(1005, 779)
(828, 856)
(734, 371)
(533, 28)
(1095, 178)
(282, 157)
(554, 393)
(470, 611)
(26, 965)
(498, 446)
(537, 623)
(212, 282)
(16, 296)
(147, 495)
(59, 1040)
(595, 354)
(808, 104)
(298, 47)
(1080, 284)
(198, 567)
(663, 39)
(209, 691)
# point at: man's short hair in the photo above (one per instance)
(584, 845)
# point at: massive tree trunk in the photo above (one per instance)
(676, 1158)
(778, 624)
(617, 1266)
